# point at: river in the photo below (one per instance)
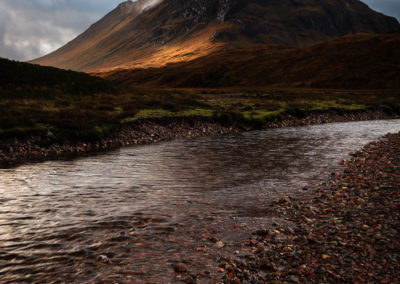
(131, 214)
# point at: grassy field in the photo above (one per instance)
(68, 105)
(95, 115)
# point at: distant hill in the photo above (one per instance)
(152, 33)
(52, 103)
(352, 62)
(26, 79)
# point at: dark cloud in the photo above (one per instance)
(32, 28)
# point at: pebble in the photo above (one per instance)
(104, 259)
(180, 268)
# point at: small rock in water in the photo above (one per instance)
(180, 268)
(190, 280)
(285, 200)
(103, 258)
(262, 232)
(201, 249)
(213, 239)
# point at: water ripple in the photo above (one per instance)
(149, 205)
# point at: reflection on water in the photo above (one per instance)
(144, 208)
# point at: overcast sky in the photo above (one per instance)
(31, 28)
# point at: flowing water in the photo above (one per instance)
(131, 214)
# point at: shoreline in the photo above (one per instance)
(347, 233)
(15, 152)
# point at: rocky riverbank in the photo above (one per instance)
(348, 233)
(40, 148)
(328, 117)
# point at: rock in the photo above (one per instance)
(134, 272)
(189, 280)
(213, 239)
(285, 200)
(219, 244)
(180, 268)
(49, 133)
(104, 259)
(259, 248)
(261, 233)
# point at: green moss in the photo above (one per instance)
(197, 112)
(162, 113)
(263, 115)
(354, 107)
(118, 109)
(153, 113)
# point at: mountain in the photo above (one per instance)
(361, 61)
(152, 33)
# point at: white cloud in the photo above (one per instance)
(32, 28)
(148, 4)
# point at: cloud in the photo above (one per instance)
(139, 5)
(32, 28)
(148, 4)
(26, 37)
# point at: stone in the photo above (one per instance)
(180, 268)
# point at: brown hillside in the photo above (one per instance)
(361, 61)
(138, 35)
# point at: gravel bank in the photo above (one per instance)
(40, 148)
(348, 233)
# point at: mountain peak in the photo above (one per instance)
(126, 4)
(153, 33)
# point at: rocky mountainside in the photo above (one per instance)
(152, 33)
(364, 61)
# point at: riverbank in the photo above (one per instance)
(348, 232)
(40, 148)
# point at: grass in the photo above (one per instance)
(163, 113)
(93, 116)
(75, 106)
